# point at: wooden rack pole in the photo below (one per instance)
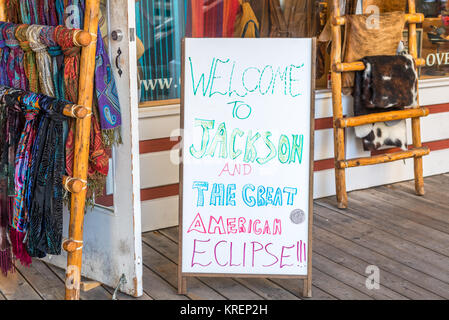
(81, 157)
(3, 16)
(339, 133)
(416, 122)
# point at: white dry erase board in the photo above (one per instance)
(247, 158)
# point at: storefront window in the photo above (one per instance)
(160, 28)
(435, 37)
(161, 25)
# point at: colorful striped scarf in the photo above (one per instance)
(23, 162)
(43, 60)
(29, 58)
(15, 68)
(47, 36)
(4, 52)
(28, 11)
(13, 11)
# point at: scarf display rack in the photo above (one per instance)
(340, 122)
(82, 112)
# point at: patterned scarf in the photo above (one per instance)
(6, 264)
(4, 52)
(44, 195)
(15, 68)
(43, 60)
(47, 37)
(106, 91)
(29, 58)
(98, 157)
(23, 162)
(28, 10)
(59, 4)
(14, 129)
(107, 96)
(13, 11)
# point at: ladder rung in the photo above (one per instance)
(75, 111)
(382, 117)
(82, 38)
(359, 66)
(383, 158)
(73, 185)
(409, 17)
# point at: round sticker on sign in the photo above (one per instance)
(297, 216)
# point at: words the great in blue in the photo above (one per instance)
(218, 140)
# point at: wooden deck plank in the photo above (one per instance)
(435, 187)
(371, 256)
(372, 211)
(387, 202)
(15, 287)
(337, 288)
(167, 270)
(352, 279)
(401, 196)
(157, 288)
(295, 286)
(404, 251)
(123, 296)
(267, 289)
(98, 293)
(228, 287)
(43, 280)
(422, 205)
(357, 264)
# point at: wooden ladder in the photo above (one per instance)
(77, 185)
(340, 123)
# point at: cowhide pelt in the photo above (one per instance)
(388, 83)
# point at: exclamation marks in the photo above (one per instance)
(301, 254)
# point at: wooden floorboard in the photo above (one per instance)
(15, 287)
(415, 256)
(404, 235)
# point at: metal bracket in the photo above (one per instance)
(121, 282)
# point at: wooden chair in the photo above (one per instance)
(341, 123)
(77, 185)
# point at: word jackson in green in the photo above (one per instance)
(286, 149)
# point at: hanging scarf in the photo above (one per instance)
(3, 56)
(74, 15)
(45, 188)
(43, 60)
(13, 11)
(43, 12)
(108, 103)
(14, 129)
(15, 70)
(107, 96)
(52, 15)
(6, 264)
(29, 58)
(59, 5)
(28, 10)
(47, 37)
(98, 158)
(23, 161)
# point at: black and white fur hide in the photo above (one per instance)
(388, 83)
